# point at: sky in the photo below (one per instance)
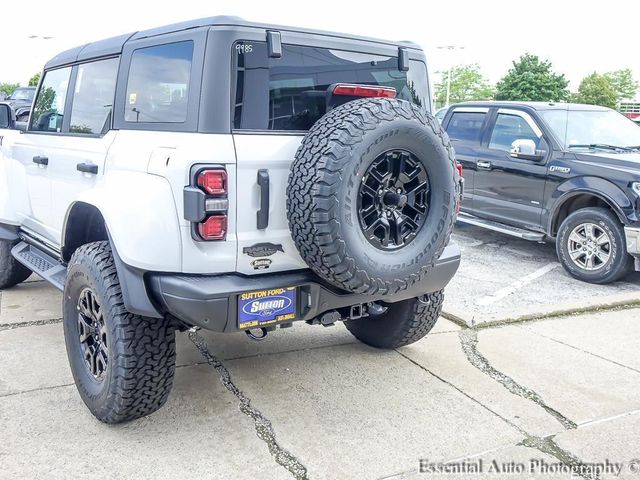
(578, 37)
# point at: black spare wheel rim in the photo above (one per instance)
(92, 332)
(393, 201)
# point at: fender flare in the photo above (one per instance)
(140, 242)
(597, 187)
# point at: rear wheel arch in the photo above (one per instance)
(577, 201)
(84, 223)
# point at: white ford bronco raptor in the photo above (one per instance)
(230, 176)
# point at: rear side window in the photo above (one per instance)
(466, 126)
(48, 110)
(289, 93)
(158, 84)
(93, 96)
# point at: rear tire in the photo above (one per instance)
(123, 364)
(12, 272)
(591, 246)
(401, 324)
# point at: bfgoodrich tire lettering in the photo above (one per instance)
(325, 181)
(140, 352)
(12, 272)
(401, 324)
(619, 263)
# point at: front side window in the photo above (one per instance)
(48, 110)
(508, 129)
(158, 84)
(289, 93)
(93, 96)
(466, 126)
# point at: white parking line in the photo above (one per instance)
(506, 291)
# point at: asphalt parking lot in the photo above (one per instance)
(561, 390)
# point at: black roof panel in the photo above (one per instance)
(113, 46)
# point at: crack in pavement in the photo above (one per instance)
(263, 426)
(33, 323)
(469, 342)
(544, 445)
(550, 447)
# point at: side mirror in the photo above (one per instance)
(526, 150)
(7, 116)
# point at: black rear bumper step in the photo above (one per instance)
(211, 301)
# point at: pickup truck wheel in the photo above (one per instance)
(401, 324)
(591, 246)
(12, 272)
(122, 364)
(371, 195)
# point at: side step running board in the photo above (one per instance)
(41, 263)
(499, 227)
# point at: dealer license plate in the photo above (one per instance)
(266, 307)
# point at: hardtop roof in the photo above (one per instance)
(114, 45)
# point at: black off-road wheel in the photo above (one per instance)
(371, 195)
(12, 272)
(123, 364)
(591, 246)
(401, 324)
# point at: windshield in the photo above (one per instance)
(22, 94)
(591, 129)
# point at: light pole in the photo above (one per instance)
(450, 48)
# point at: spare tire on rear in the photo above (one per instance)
(371, 195)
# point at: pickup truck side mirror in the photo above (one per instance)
(7, 116)
(526, 150)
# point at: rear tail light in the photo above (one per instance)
(213, 182)
(364, 91)
(459, 168)
(213, 228)
(460, 186)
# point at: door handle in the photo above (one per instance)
(263, 213)
(40, 160)
(87, 168)
(483, 165)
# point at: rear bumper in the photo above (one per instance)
(211, 302)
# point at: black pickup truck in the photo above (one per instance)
(545, 171)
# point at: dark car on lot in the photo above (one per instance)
(546, 171)
(21, 99)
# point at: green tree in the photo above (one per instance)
(596, 89)
(623, 84)
(532, 79)
(8, 88)
(33, 81)
(467, 83)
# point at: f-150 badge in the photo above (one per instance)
(556, 168)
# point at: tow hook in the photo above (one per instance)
(256, 334)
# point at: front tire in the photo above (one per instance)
(401, 324)
(12, 272)
(591, 246)
(123, 364)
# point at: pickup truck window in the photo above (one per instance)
(48, 110)
(582, 129)
(158, 85)
(509, 128)
(466, 126)
(93, 96)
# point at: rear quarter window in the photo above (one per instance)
(466, 126)
(289, 93)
